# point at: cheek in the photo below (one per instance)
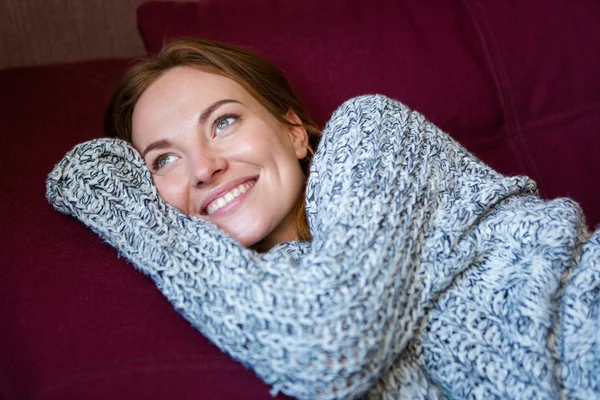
(289, 175)
(297, 181)
(173, 192)
(285, 184)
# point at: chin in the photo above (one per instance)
(246, 239)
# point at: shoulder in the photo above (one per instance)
(365, 113)
(370, 103)
(370, 109)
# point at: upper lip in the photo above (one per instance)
(222, 189)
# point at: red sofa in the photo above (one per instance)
(517, 82)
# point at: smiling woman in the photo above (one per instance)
(224, 136)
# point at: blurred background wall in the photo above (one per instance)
(34, 32)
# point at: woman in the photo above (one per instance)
(429, 275)
(205, 116)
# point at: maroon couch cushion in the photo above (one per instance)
(516, 82)
(76, 321)
(546, 61)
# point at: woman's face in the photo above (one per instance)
(216, 152)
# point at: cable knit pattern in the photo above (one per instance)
(429, 275)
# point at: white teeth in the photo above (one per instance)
(228, 198)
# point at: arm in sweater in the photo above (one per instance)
(329, 323)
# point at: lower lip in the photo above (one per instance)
(231, 207)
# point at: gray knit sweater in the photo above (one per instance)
(429, 275)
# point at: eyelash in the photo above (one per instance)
(156, 163)
(223, 117)
(218, 120)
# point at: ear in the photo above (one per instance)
(298, 135)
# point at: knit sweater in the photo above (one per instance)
(429, 275)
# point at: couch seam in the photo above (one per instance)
(498, 71)
(564, 117)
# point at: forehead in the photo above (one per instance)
(181, 84)
(176, 98)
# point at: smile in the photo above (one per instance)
(228, 197)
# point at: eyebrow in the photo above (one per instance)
(163, 143)
(159, 144)
(211, 109)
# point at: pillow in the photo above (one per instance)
(514, 82)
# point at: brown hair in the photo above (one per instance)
(255, 74)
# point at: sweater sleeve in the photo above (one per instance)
(328, 323)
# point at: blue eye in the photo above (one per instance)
(163, 161)
(224, 122)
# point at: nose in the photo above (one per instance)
(206, 166)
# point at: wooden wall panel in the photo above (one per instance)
(34, 32)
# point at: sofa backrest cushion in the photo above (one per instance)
(514, 81)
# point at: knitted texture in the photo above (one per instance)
(429, 275)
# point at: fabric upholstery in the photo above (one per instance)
(514, 81)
